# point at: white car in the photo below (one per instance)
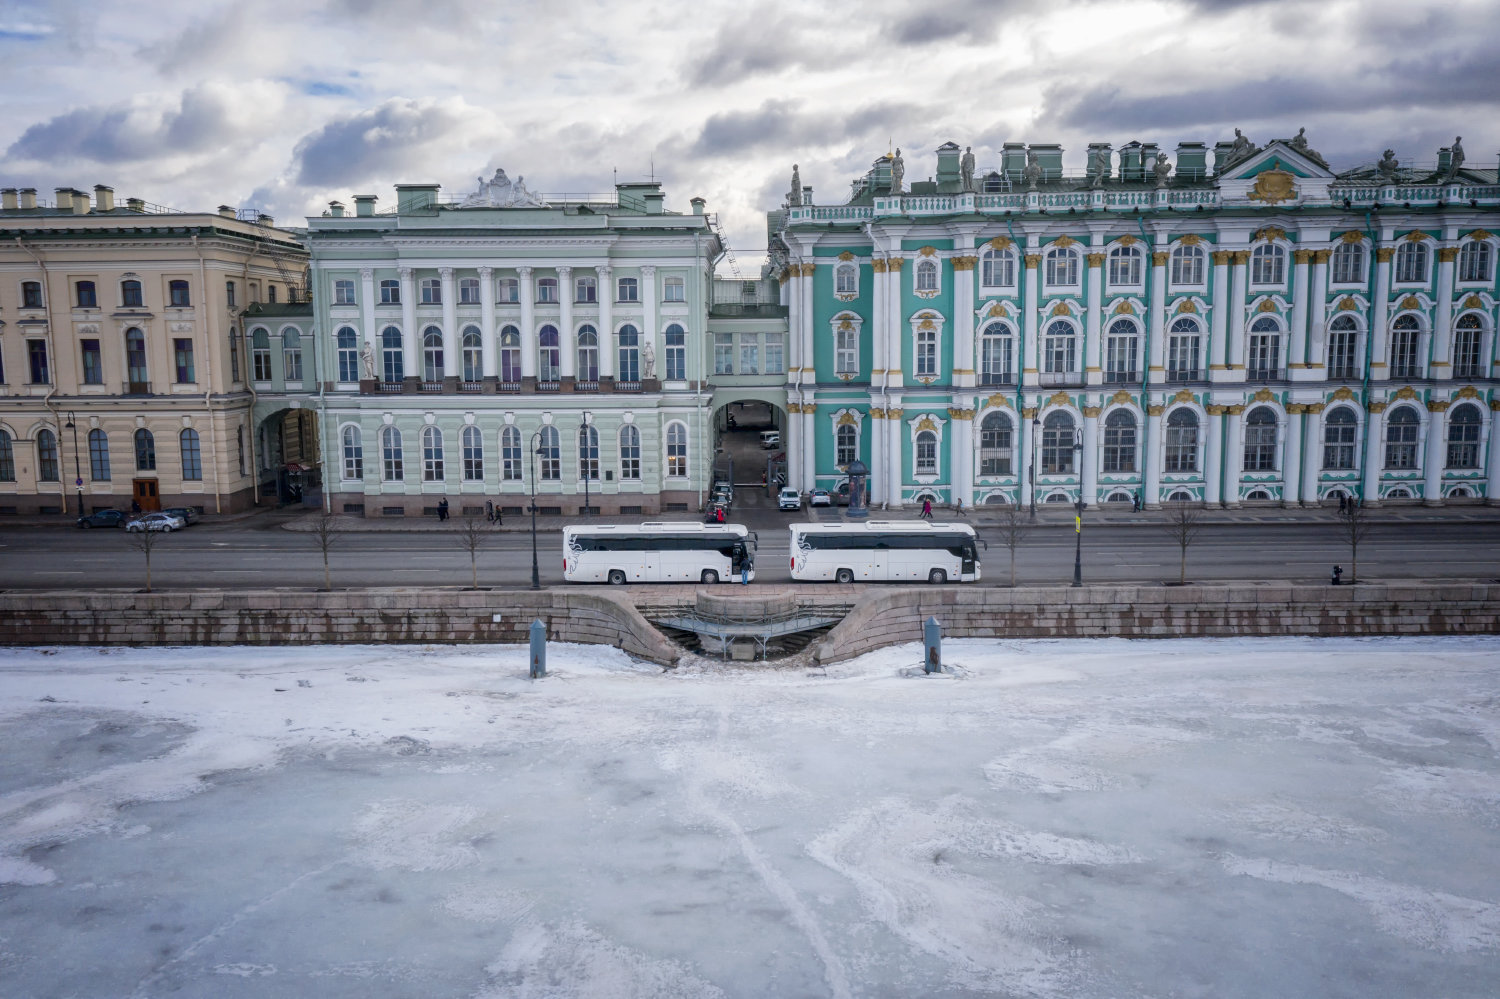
(156, 522)
(820, 497)
(789, 499)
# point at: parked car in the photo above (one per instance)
(789, 499)
(820, 497)
(162, 521)
(186, 514)
(103, 518)
(770, 439)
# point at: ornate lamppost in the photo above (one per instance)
(1036, 423)
(77, 468)
(588, 464)
(536, 449)
(1078, 514)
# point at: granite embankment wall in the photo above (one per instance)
(890, 616)
(298, 617)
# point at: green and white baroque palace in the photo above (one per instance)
(1251, 329)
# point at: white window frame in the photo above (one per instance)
(1188, 260)
(343, 292)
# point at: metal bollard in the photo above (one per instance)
(932, 646)
(538, 649)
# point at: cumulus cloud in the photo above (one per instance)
(762, 41)
(379, 142)
(786, 125)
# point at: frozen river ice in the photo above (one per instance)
(1278, 817)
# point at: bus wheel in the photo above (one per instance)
(709, 576)
(844, 576)
(937, 576)
(616, 577)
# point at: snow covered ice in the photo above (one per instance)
(1277, 817)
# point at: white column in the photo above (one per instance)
(1151, 475)
(1235, 359)
(487, 331)
(569, 338)
(895, 473)
(963, 323)
(1312, 450)
(367, 316)
(451, 358)
(1235, 457)
(793, 320)
(1493, 467)
(809, 356)
(411, 343)
(877, 480)
(648, 304)
(879, 319)
(1028, 320)
(1442, 316)
(1432, 466)
(1156, 308)
(1093, 277)
(1213, 457)
(1379, 355)
(1291, 458)
(1218, 337)
(1317, 310)
(607, 345)
(1374, 437)
(809, 441)
(528, 325)
(1297, 358)
(1090, 456)
(1025, 436)
(963, 457)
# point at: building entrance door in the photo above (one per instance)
(145, 494)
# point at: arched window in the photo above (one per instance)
(432, 354)
(1463, 436)
(473, 355)
(1411, 262)
(1187, 265)
(926, 353)
(98, 456)
(7, 458)
(192, 457)
(348, 348)
(1468, 332)
(927, 275)
(1122, 352)
(1119, 441)
(1268, 265)
(46, 456)
(1339, 429)
(588, 452)
(549, 453)
(1474, 261)
(291, 354)
(1260, 440)
(1062, 267)
(996, 354)
(630, 453)
(1406, 339)
(145, 451)
(392, 464)
(135, 358)
(1058, 437)
(676, 341)
(432, 454)
(391, 362)
(512, 467)
(995, 437)
(472, 443)
(677, 449)
(1263, 362)
(845, 445)
(1180, 451)
(1401, 429)
(846, 279)
(1125, 266)
(926, 453)
(1343, 345)
(354, 453)
(588, 354)
(510, 355)
(1060, 348)
(846, 349)
(260, 356)
(998, 268)
(549, 354)
(1184, 350)
(629, 339)
(130, 294)
(1349, 263)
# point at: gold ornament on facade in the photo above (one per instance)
(1473, 302)
(1221, 257)
(1302, 256)
(996, 311)
(1322, 256)
(878, 265)
(876, 413)
(1352, 237)
(1191, 240)
(998, 400)
(927, 324)
(1269, 233)
(1124, 308)
(1495, 405)
(1127, 241)
(1377, 407)
(1437, 405)
(1447, 254)
(1094, 259)
(1241, 257)
(1314, 408)
(846, 256)
(926, 423)
(1415, 236)
(783, 277)
(1235, 409)
(964, 263)
(895, 263)
(1273, 187)
(1214, 409)
(1383, 254)
(1000, 243)
(1480, 234)
(1029, 413)
(1159, 259)
(1058, 399)
(1187, 307)
(1061, 309)
(845, 325)
(894, 414)
(1269, 305)
(1032, 260)
(1264, 395)
(1405, 392)
(1091, 412)
(1348, 304)
(1343, 394)
(1119, 398)
(1155, 410)
(928, 251)
(1467, 392)
(1065, 242)
(1411, 302)
(1183, 395)
(955, 413)
(1295, 408)
(848, 420)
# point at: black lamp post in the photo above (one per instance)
(77, 468)
(588, 463)
(536, 449)
(1036, 423)
(1078, 515)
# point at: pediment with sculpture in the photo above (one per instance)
(501, 192)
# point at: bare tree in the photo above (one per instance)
(1355, 526)
(325, 538)
(472, 537)
(1182, 527)
(145, 542)
(1013, 530)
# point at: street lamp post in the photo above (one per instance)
(536, 447)
(77, 468)
(1035, 425)
(587, 463)
(1078, 514)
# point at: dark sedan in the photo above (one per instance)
(103, 518)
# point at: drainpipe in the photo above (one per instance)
(1020, 326)
(1146, 366)
(250, 384)
(52, 362)
(208, 392)
(1364, 389)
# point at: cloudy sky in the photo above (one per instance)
(284, 105)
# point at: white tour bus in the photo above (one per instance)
(881, 550)
(683, 552)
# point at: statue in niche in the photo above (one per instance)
(794, 196)
(648, 358)
(1162, 170)
(1241, 147)
(1457, 159)
(898, 171)
(1388, 165)
(966, 170)
(367, 361)
(1033, 171)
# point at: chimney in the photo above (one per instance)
(63, 198)
(267, 221)
(336, 209)
(416, 197)
(364, 205)
(104, 198)
(807, 194)
(80, 201)
(949, 180)
(137, 205)
(28, 198)
(8, 197)
(698, 205)
(226, 211)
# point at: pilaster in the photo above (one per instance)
(411, 343)
(1151, 471)
(1093, 320)
(1432, 465)
(1317, 312)
(1213, 456)
(1374, 438)
(963, 321)
(1312, 457)
(607, 343)
(1090, 457)
(1234, 446)
(1379, 309)
(1291, 473)
(1218, 337)
(1442, 317)
(451, 356)
(487, 333)
(569, 338)
(1029, 310)
(1156, 309)
(1239, 276)
(1297, 359)
(528, 326)
(649, 298)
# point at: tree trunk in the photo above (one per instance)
(148, 571)
(327, 580)
(474, 568)
(1182, 567)
(1012, 567)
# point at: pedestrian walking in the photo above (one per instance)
(489, 511)
(926, 509)
(1343, 503)
(443, 508)
(1136, 502)
(958, 507)
(499, 516)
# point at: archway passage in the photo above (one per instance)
(288, 469)
(750, 444)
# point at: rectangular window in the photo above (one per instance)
(723, 353)
(31, 294)
(674, 289)
(228, 294)
(432, 291)
(510, 457)
(130, 294)
(36, 353)
(586, 289)
(271, 293)
(234, 356)
(546, 289)
(775, 354)
(291, 356)
(468, 291)
(749, 354)
(178, 297)
(629, 290)
(182, 356)
(343, 291)
(98, 456)
(630, 454)
(390, 292)
(510, 291)
(93, 367)
(87, 297)
(677, 353)
(192, 457)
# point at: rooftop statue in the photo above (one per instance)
(1240, 149)
(1033, 171)
(898, 171)
(499, 192)
(1299, 143)
(1456, 160)
(1162, 170)
(966, 170)
(1101, 167)
(794, 196)
(1388, 165)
